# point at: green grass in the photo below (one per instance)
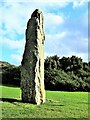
(10, 92)
(57, 105)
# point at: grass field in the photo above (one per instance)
(57, 105)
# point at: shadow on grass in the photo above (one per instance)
(11, 100)
(57, 105)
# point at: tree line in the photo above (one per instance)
(67, 73)
(62, 74)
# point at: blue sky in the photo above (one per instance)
(65, 26)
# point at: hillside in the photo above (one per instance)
(4, 65)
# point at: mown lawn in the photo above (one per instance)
(58, 105)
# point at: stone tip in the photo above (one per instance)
(36, 13)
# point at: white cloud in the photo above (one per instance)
(53, 43)
(68, 53)
(61, 3)
(54, 19)
(18, 46)
(56, 36)
(13, 44)
(16, 59)
(47, 54)
(13, 18)
(40, 1)
(52, 22)
(85, 21)
(78, 3)
(66, 44)
(50, 3)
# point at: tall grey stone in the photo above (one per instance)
(32, 69)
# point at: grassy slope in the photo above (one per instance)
(58, 105)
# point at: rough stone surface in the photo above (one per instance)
(32, 70)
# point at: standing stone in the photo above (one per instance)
(32, 70)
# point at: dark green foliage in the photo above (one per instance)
(67, 73)
(52, 62)
(55, 79)
(10, 74)
(59, 80)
